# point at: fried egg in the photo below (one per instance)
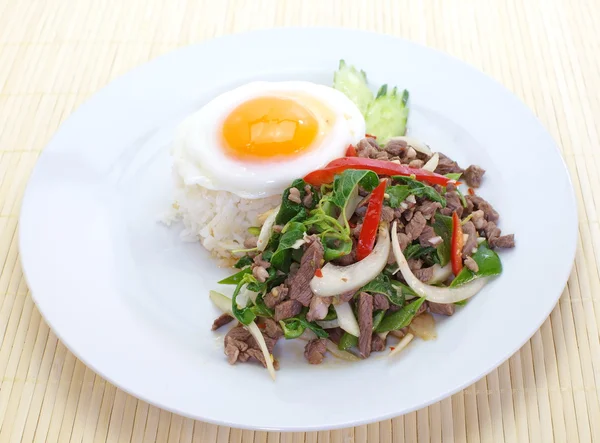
(254, 140)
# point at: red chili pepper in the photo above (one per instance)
(471, 191)
(368, 232)
(381, 167)
(456, 246)
(371, 136)
(351, 151)
(392, 348)
(319, 273)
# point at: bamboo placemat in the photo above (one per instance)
(54, 54)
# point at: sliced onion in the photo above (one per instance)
(401, 344)
(336, 280)
(423, 326)
(433, 293)
(265, 231)
(432, 163)
(418, 145)
(221, 301)
(346, 319)
(329, 324)
(440, 274)
(224, 304)
(351, 206)
(253, 329)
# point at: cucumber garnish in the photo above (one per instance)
(353, 83)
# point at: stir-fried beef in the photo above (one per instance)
(314, 351)
(294, 196)
(241, 346)
(471, 264)
(365, 323)
(424, 274)
(425, 237)
(480, 204)
(346, 296)
(453, 204)
(380, 302)
(276, 296)
(260, 273)
(441, 308)
(428, 209)
(416, 225)
(335, 334)
(377, 343)
(471, 244)
(387, 214)
(222, 320)
(447, 166)
(250, 242)
(504, 241)
(396, 148)
(299, 283)
(287, 309)
(319, 306)
(473, 175)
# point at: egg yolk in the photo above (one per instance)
(269, 127)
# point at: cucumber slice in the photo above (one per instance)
(353, 84)
(387, 115)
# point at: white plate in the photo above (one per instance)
(130, 300)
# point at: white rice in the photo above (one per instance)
(219, 219)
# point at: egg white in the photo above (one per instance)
(199, 156)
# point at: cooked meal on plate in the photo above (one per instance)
(342, 230)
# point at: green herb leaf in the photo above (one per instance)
(347, 341)
(382, 285)
(282, 257)
(397, 195)
(260, 309)
(454, 175)
(422, 190)
(246, 260)
(331, 314)
(235, 278)
(400, 319)
(295, 326)
(405, 290)
(442, 225)
(243, 315)
(344, 185)
(488, 262)
(377, 317)
(290, 209)
(461, 303)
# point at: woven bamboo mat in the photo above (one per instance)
(55, 54)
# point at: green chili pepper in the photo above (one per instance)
(400, 319)
(347, 341)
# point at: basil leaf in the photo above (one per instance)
(442, 225)
(295, 326)
(246, 260)
(347, 341)
(400, 319)
(422, 190)
(331, 314)
(292, 328)
(260, 309)
(454, 175)
(243, 315)
(397, 195)
(405, 290)
(377, 317)
(335, 247)
(382, 285)
(290, 209)
(345, 183)
(282, 257)
(488, 262)
(235, 278)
